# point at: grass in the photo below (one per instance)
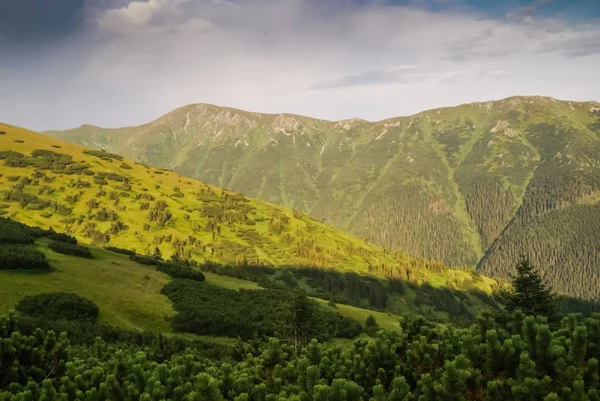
(384, 320)
(231, 283)
(127, 293)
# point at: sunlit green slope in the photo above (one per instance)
(101, 199)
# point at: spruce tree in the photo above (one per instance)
(530, 294)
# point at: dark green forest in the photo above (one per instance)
(523, 358)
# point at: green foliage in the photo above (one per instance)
(160, 213)
(128, 252)
(29, 360)
(180, 271)
(103, 155)
(70, 249)
(522, 360)
(44, 160)
(529, 293)
(366, 291)
(22, 257)
(206, 309)
(59, 305)
(17, 233)
(144, 260)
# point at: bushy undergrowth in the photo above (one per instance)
(59, 305)
(70, 249)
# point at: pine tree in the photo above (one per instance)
(530, 294)
(157, 254)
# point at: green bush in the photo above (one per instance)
(206, 309)
(17, 233)
(13, 234)
(180, 271)
(120, 250)
(22, 257)
(59, 305)
(102, 155)
(70, 249)
(144, 260)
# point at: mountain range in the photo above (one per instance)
(109, 202)
(480, 184)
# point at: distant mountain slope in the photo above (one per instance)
(103, 199)
(479, 183)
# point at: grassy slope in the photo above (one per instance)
(127, 293)
(303, 241)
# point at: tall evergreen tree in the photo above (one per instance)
(530, 293)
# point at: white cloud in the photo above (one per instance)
(140, 16)
(302, 57)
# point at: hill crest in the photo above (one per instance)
(420, 183)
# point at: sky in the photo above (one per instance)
(64, 63)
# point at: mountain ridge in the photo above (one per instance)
(420, 183)
(235, 109)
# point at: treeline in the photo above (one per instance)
(361, 290)
(206, 309)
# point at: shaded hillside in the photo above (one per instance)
(478, 183)
(103, 199)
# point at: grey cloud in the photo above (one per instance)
(529, 11)
(509, 38)
(386, 77)
(39, 20)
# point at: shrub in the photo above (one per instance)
(70, 249)
(22, 257)
(180, 271)
(102, 155)
(59, 305)
(144, 260)
(120, 250)
(18, 233)
(13, 234)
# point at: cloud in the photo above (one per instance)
(529, 11)
(42, 20)
(385, 77)
(407, 74)
(132, 61)
(152, 16)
